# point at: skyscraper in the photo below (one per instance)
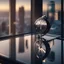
(51, 11)
(3, 26)
(21, 19)
(58, 15)
(0, 29)
(21, 30)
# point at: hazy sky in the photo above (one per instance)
(4, 4)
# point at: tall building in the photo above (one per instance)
(51, 11)
(21, 30)
(63, 15)
(0, 29)
(58, 15)
(3, 26)
(21, 19)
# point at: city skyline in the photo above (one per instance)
(4, 4)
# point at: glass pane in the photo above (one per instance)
(23, 25)
(52, 9)
(23, 16)
(4, 48)
(4, 17)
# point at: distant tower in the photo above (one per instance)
(51, 11)
(63, 15)
(21, 19)
(56, 15)
(21, 30)
(3, 26)
(0, 29)
(59, 15)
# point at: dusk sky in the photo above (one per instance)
(4, 4)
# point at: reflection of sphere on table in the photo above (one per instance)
(40, 49)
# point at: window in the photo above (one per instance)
(4, 17)
(17, 36)
(23, 16)
(17, 20)
(52, 9)
(23, 25)
(4, 26)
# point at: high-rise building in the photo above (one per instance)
(21, 19)
(3, 26)
(0, 29)
(58, 15)
(51, 11)
(21, 30)
(63, 15)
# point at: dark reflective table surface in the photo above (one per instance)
(24, 55)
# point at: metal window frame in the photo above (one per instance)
(62, 31)
(12, 13)
(36, 12)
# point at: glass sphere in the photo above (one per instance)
(41, 25)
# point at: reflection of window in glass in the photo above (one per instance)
(4, 17)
